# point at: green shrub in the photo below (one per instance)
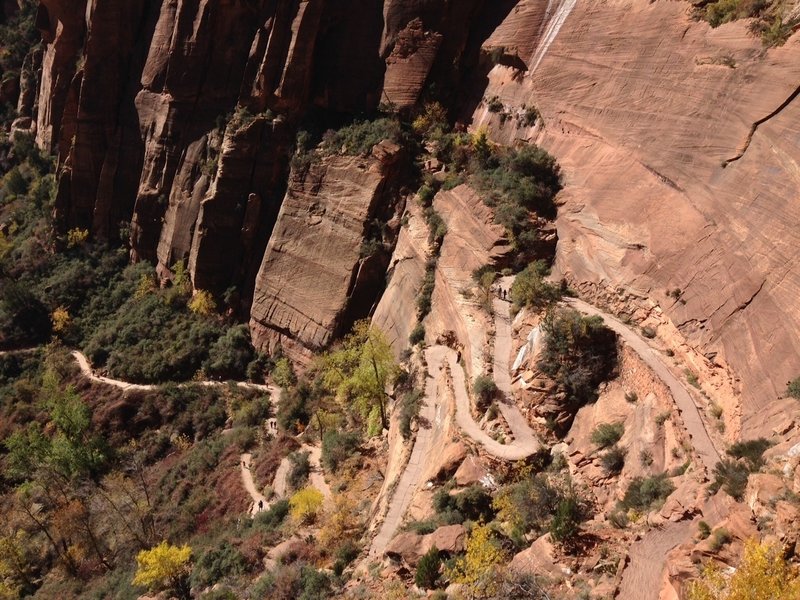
(530, 117)
(337, 447)
(719, 538)
(428, 568)
(631, 397)
(646, 457)
(722, 11)
(495, 105)
(270, 520)
(359, 137)
(426, 194)
(618, 518)
(300, 469)
(608, 434)
(283, 373)
(703, 530)
(409, 408)
(645, 492)
(613, 460)
(648, 332)
(731, 476)
(662, 418)
(230, 355)
(295, 407)
(473, 503)
(485, 390)
(751, 451)
(216, 563)
(417, 335)
(315, 585)
(426, 292)
(565, 526)
(793, 388)
(530, 288)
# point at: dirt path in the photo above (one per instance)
(689, 412)
(316, 476)
(250, 486)
(641, 578)
(88, 372)
(524, 437)
(430, 426)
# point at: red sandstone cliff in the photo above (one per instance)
(178, 119)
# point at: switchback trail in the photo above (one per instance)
(524, 444)
(690, 414)
(430, 426)
(250, 486)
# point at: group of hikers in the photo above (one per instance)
(503, 294)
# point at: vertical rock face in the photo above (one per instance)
(100, 146)
(236, 217)
(62, 25)
(680, 148)
(316, 276)
(192, 76)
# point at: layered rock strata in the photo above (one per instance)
(319, 271)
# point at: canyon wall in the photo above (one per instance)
(174, 123)
(681, 150)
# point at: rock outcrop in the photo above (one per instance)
(319, 272)
(680, 144)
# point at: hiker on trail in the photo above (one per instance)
(260, 505)
(504, 294)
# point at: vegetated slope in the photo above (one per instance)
(671, 188)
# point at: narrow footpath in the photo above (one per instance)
(250, 486)
(689, 412)
(411, 479)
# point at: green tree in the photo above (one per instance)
(359, 371)
(530, 288)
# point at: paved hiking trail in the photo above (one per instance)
(250, 486)
(524, 437)
(430, 420)
(642, 576)
(689, 412)
(524, 444)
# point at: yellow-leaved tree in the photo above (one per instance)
(305, 504)
(358, 372)
(477, 568)
(165, 567)
(763, 574)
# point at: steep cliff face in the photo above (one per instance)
(680, 147)
(178, 118)
(318, 271)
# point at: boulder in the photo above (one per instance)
(470, 471)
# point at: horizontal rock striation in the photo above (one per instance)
(318, 273)
(646, 110)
